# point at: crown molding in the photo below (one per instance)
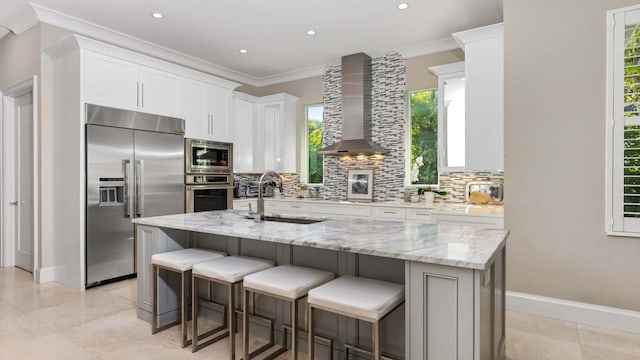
(21, 21)
(427, 48)
(440, 70)
(482, 33)
(303, 73)
(55, 18)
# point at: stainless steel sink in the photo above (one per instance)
(291, 220)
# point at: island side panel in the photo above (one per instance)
(152, 240)
(440, 312)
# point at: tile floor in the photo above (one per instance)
(49, 321)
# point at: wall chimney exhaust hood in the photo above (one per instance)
(356, 110)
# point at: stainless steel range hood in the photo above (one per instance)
(356, 109)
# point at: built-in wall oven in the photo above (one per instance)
(208, 157)
(208, 192)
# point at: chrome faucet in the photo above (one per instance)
(260, 184)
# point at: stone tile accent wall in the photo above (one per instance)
(388, 87)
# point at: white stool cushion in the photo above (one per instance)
(287, 281)
(183, 260)
(358, 297)
(231, 268)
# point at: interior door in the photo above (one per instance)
(110, 240)
(23, 170)
(159, 174)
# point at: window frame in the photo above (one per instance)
(305, 141)
(444, 73)
(407, 141)
(615, 223)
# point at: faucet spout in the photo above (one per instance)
(260, 185)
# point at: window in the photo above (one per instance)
(423, 139)
(623, 115)
(314, 115)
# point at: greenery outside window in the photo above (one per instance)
(314, 165)
(422, 167)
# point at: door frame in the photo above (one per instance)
(7, 248)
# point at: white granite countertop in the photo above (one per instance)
(445, 208)
(454, 245)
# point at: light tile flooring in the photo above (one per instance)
(49, 321)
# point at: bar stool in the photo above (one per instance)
(360, 298)
(285, 282)
(179, 261)
(227, 271)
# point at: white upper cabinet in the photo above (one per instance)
(244, 116)
(114, 82)
(119, 78)
(219, 103)
(158, 92)
(265, 133)
(206, 109)
(110, 81)
(192, 107)
(484, 86)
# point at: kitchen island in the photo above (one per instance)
(454, 276)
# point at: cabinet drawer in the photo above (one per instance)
(350, 211)
(389, 213)
(243, 205)
(294, 208)
(419, 215)
(482, 221)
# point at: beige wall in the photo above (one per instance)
(19, 57)
(555, 156)
(418, 76)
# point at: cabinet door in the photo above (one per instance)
(272, 159)
(192, 107)
(484, 71)
(158, 92)
(243, 145)
(110, 82)
(219, 109)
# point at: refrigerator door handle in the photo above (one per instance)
(139, 188)
(128, 204)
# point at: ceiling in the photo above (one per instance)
(274, 31)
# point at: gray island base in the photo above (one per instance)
(454, 278)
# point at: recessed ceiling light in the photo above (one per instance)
(311, 32)
(403, 6)
(157, 15)
(243, 51)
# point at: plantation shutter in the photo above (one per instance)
(626, 128)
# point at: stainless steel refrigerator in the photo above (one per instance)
(135, 168)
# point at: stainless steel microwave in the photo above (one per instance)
(208, 157)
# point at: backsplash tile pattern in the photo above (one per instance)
(455, 182)
(388, 130)
(291, 182)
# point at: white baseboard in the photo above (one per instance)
(45, 274)
(588, 314)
